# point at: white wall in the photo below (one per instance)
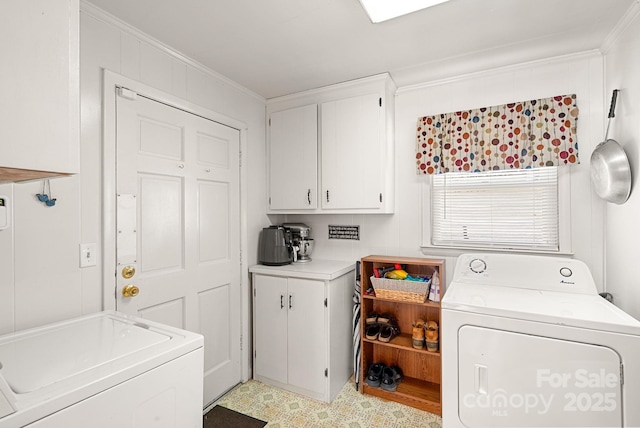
(622, 71)
(40, 281)
(401, 233)
(39, 257)
(109, 44)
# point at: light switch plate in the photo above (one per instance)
(88, 255)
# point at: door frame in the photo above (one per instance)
(111, 81)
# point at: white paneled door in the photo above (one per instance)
(178, 227)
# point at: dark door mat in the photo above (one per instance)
(221, 417)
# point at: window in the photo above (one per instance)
(514, 209)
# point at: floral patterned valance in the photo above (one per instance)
(526, 134)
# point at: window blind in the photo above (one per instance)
(516, 209)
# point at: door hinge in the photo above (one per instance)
(326, 372)
(325, 302)
(269, 200)
(241, 341)
(127, 94)
(380, 101)
(255, 354)
(269, 121)
(621, 374)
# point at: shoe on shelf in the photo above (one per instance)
(374, 375)
(388, 332)
(391, 378)
(372, 332)
(385, 319)
(417, 337)
(372, 318)
(431, 336)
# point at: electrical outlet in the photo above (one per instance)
(88, 255)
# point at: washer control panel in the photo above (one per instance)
(477, 265)
(535, 272)
(566, 272)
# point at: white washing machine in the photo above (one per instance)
(528, 342)
(101, 370)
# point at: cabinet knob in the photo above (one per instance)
(309, 196)
(327, 196)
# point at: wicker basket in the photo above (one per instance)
(404, 291)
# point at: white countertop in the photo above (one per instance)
(325, 270)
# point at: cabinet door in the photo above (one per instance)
(307, 335)
(39, 106)
(270, 327)
(293, 158)
(352, 139)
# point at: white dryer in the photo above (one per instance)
(528, 342)
(102, 370)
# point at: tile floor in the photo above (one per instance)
(350, 409)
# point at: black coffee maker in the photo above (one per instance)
(275, 247)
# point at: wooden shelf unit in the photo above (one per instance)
(420, 387)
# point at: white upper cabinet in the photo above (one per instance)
(39, 75)
(293, 158)
(354, 169)
(352, 138)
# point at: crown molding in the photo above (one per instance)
(489, 69)
(97, 13)
(630, 15)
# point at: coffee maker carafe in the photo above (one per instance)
(301, 240)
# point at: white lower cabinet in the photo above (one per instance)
(302, 333)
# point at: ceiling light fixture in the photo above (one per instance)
(383, 10)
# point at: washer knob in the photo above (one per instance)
(566, 272)
(477, 265)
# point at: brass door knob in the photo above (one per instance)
(130, 291)
(128, 272)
